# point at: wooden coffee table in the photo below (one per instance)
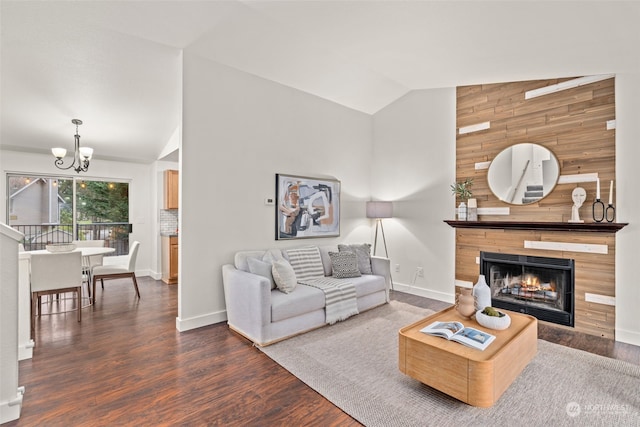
(475, 377)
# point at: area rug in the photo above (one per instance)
(354, 364)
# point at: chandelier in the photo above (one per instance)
(82, 154)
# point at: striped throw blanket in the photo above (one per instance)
(340, 297)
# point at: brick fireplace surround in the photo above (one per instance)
(578, 126)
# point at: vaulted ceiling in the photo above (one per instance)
(116, 64)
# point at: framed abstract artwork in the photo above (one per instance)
(307, 207)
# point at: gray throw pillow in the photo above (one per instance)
(344, 264)
(284, 276)
(363, 253)
(261, 268)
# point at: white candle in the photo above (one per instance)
(611, 194)
(597, 188)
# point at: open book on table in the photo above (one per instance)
(456, 331)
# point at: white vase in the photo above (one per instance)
(482, 293)
(462, 211)
(472, 210)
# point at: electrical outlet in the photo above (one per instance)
(397, 268)
(420, 271)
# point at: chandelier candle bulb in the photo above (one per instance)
(597, 188)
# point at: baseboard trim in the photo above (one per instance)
(200, 321)
(422, 292)
(10, 409)
(629, 337)
(25, 351)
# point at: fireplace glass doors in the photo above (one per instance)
(539, 286)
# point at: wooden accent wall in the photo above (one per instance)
(573, 125)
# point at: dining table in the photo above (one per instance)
(25, 343)
(86, 251)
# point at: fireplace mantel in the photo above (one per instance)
(599, 227)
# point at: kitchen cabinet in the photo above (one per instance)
(170, 259)
(171, 189)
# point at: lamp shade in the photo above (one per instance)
(86, 153)
(379, 210)
(59, 152)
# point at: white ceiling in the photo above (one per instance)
(116, 64)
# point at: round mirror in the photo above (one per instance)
(523, 174)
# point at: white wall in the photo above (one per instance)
(414, 166)
(142, 202)
(627, 206)
(238, 132)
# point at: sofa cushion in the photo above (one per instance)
(344, 264)
(326, 259)
(284, 276)
(261, 268)
(368, 284)
(240, 260)
(306, 262)
(304, 299)
(363, 252)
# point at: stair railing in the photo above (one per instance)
(515, 190)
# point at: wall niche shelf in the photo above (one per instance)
(599, 227)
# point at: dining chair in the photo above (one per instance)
(90, 261)
(117, 271)
(55, 273)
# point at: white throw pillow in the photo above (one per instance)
(261, 268)
(284, 276)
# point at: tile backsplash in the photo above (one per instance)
(168, 220)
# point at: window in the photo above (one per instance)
(50, 209)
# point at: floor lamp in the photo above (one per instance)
(378, 211)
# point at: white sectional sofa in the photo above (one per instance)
(264, 314)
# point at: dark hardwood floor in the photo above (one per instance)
(126, 364)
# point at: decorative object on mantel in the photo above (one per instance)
(597, 209)
(462, 190)
(82, 155)
(472, 210)
(599, 227)
(462, 212)
(578, 196)
(610, 212)
(482, 294)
